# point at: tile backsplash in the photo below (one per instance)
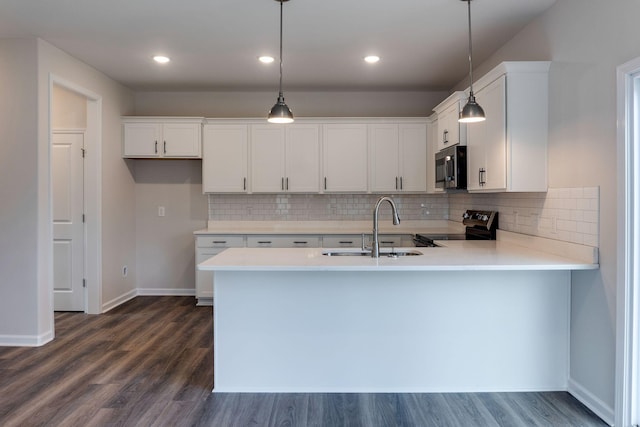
(322, 207)
(567, 214)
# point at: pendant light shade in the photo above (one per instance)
(472, 111)
(280, 112)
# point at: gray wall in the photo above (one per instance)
(117, 198)
(21, 276)
(26, 283)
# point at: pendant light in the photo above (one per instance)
(280, 112)
(472, 112)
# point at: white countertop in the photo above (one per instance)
(453, 255)
(331, 227)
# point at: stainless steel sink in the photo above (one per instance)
(388, 254)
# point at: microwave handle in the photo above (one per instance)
(448, 169)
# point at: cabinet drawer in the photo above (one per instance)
(283, 241)
(203, 254)
(220, 241)
(342, 241)
(386, 240)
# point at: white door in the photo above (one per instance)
(68, 227)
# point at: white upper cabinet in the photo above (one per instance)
(432, 149)
(450, 131)
(267, 158)
(345, 157)
(508, 151)
(285, 158)
(398, 157)
(224, 162)
(162, 137)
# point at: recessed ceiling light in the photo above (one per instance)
(161, 59)
(266, 59)
(372, 59)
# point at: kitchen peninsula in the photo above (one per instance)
(466, 316)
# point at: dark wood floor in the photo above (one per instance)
(149, 362)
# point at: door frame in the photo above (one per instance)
(92, 190)
(627, 388)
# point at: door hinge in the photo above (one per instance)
(84, 283)
(83, 152)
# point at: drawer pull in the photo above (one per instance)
(300, 243)
(219, 242)
(264, 242)
(346, 242)
(387, 242)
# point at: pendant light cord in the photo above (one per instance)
(280, 91)
(470, 50)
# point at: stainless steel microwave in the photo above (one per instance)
(451, 168)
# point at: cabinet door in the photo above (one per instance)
(302, 158)
(383, 148)
(487, 142)
(267, 159)
(181, 140)
(432, 149)
(224, 162)
(345, 158)
(449, 127)
(142, 139)
(413, 157)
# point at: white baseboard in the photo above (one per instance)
(110, 305)
(600, 408)
(155, 292)
(164, 292)
(26, 340)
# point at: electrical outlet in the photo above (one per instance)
(160, 210)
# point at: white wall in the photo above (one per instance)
(303, 104)
(26, 293)
(165, 245)
(586, 42)
(21, 273)
(118, 191)
(69, 109)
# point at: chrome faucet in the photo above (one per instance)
(375, 247)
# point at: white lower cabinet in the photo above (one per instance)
(206, 247)
(342, 241)
(355, 240)
(270, 241)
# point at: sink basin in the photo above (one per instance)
(388, 254)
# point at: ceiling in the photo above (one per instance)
(214, 44)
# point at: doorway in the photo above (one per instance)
(79, 107)
(627, 406)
